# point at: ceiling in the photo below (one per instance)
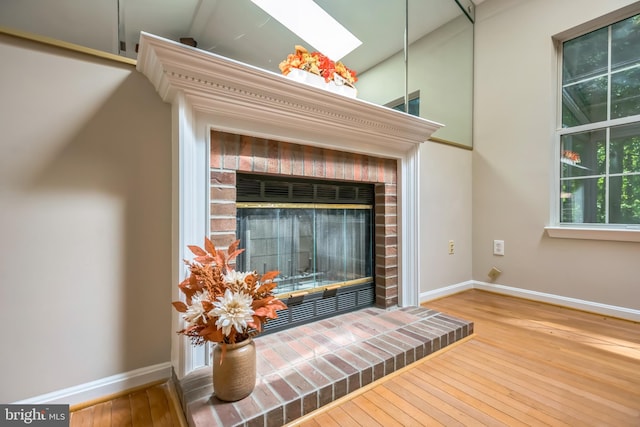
(233, 28)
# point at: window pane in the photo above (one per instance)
(625, 43)
(600, 169)
(585, 56)
(414, 107)
(585, 102)
(582, 201)
(625, 149)
(583, 154)
(624, 199)
(625, 93)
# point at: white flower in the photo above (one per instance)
(195, 310)
(232, 310)
(236, 279)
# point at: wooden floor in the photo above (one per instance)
(528, 364)
(154, 406)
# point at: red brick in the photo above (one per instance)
(387, 229)
(245, 152)
(391, 189)
(318, 163)
(285, 159)
(386, 261)
(388, 282)
(349, 168)
(219, 177)
(389, 271)
(273, 155)
(307, 168)
(390, 219)
(297, 160)
(223, 224)
(384, 241)
(223, 209)
(339, 162)
(357, 167)
(260, 154)
(223, 240)
(215, 155)
(230, 150)
(329, 164)
(222, 193)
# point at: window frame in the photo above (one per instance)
(589, 231)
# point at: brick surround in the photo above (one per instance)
(231, 153)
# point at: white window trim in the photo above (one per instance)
(609, 232)
(593, 233)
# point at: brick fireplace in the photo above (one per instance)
(231, 153)
(323, 134)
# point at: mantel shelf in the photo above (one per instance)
(274, 103)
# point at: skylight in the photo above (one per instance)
(326, 35)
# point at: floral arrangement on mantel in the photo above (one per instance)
(223, 305)
(319, 64)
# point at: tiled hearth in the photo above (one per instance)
(306, 367)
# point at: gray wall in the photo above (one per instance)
(515, 96)
(85, 205)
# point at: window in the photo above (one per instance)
(599, 138)
(414, 104)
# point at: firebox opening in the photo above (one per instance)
(318, 234)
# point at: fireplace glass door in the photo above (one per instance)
(314, 246)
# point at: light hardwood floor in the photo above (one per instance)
(152, 406)
(528, 364)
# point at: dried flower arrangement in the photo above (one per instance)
(317, 63)
(223, 305)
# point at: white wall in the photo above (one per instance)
(85, 205)
(515, 96)
(445, 209)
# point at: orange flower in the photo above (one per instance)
(317, 63)
(222, 305)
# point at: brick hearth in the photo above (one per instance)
(303, 368)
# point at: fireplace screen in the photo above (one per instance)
(311, 246)
(315, 246)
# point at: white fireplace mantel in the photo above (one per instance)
(208, 91)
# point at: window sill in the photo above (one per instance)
(586, 233)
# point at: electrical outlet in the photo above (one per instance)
(451, 247)
(498, 247)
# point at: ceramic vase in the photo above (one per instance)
(235, 377)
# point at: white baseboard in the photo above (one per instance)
(103, 387)
(578, 304)
(128, 380)
(446, 291)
